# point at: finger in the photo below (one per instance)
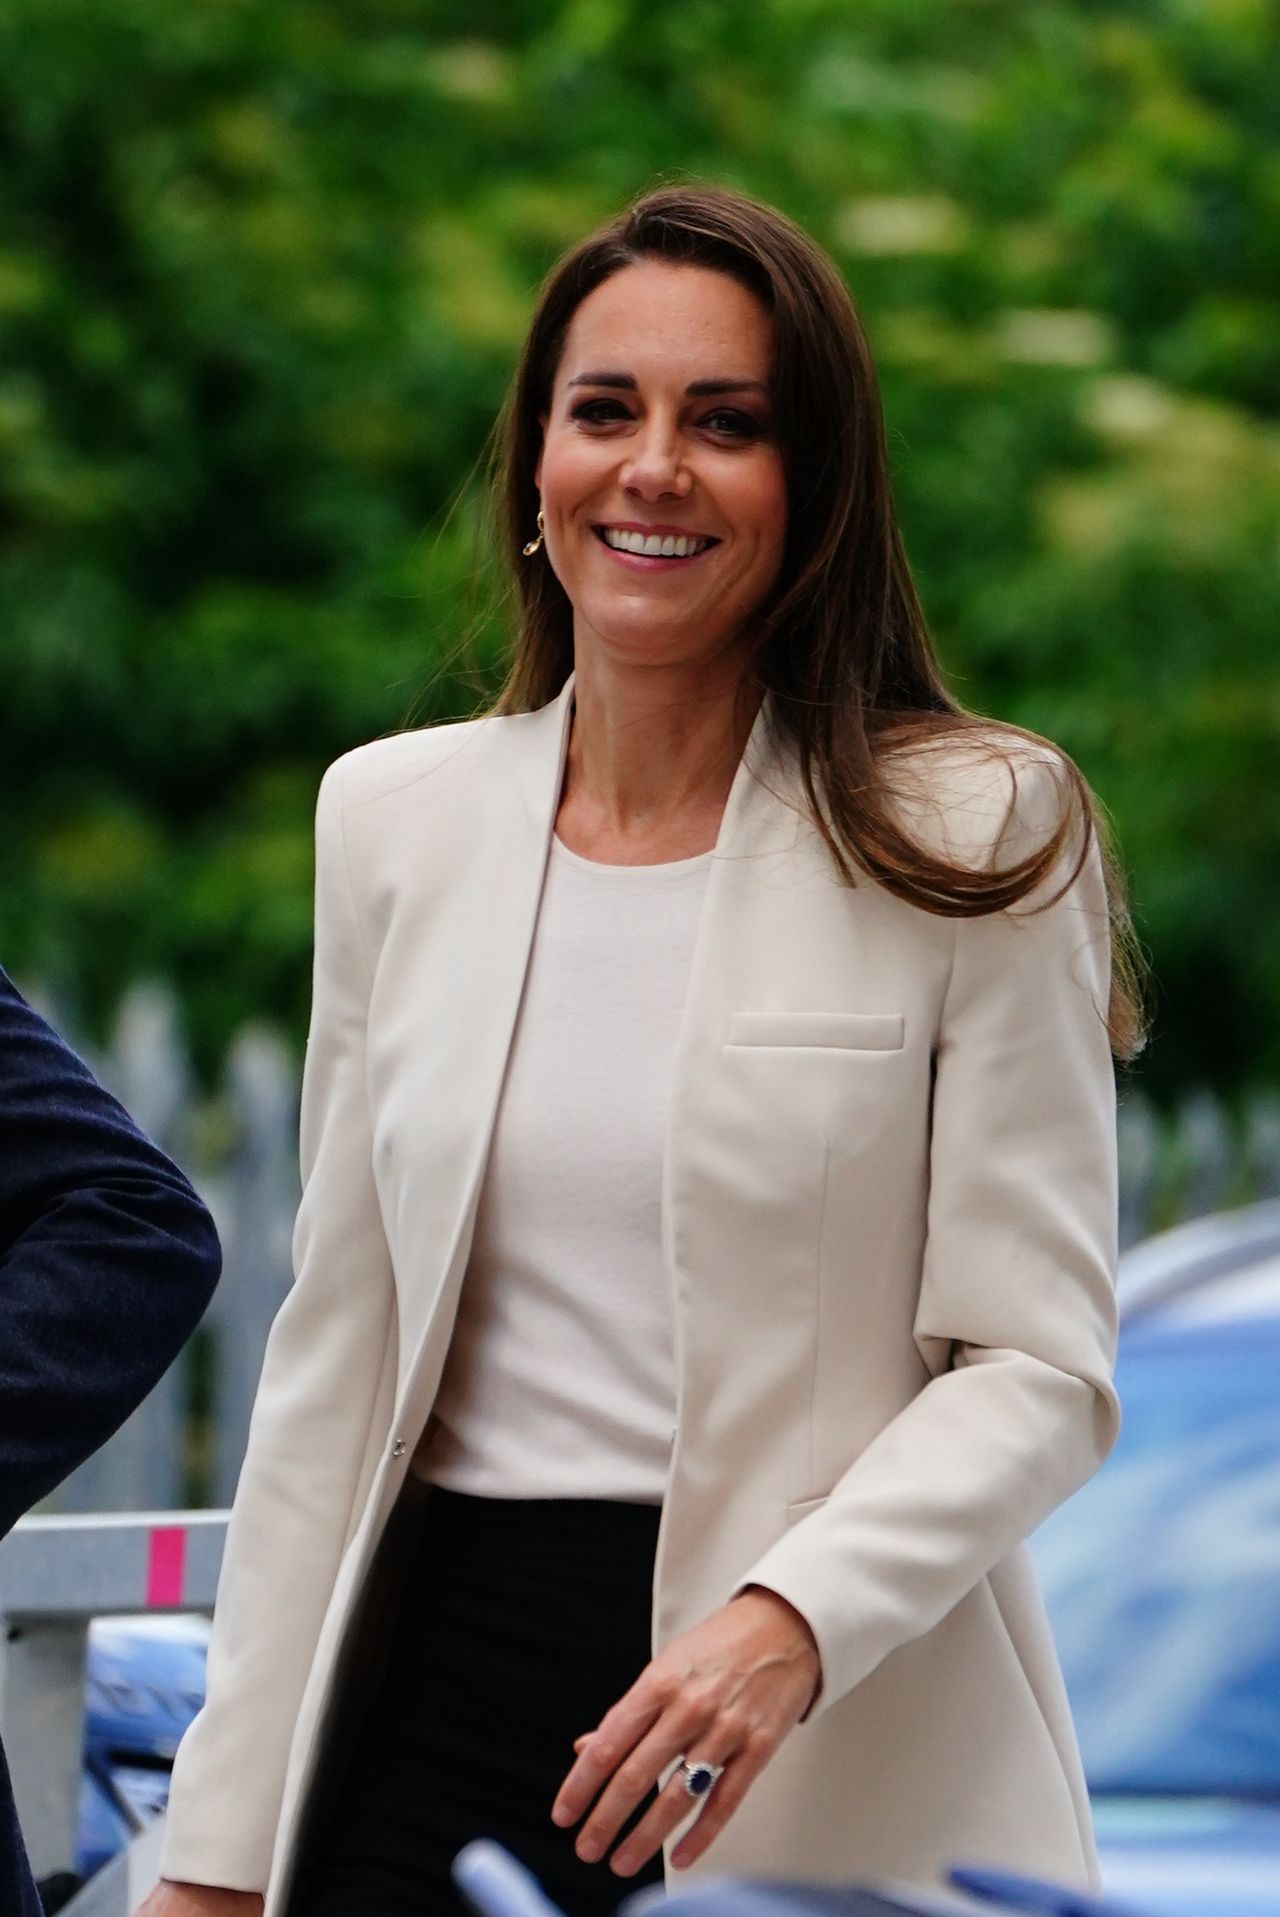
(721, 1745)
(676, 1731)
(671, 1809)
(723, 1799)
(602, 1751)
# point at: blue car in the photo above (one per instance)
(144, 1684)
(1162, 1579)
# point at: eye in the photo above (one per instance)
(589, 410)
(740, 425)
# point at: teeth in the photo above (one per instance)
(654, 545)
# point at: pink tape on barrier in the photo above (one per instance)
(166, 1566)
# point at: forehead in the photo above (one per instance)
(655, 317)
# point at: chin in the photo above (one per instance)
(641, 644)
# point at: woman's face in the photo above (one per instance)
(632, 447)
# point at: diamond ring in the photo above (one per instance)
(698, 1778)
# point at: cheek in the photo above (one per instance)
(763, 505)
(570, 469)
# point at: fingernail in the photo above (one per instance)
(561, 1814)
(589, 1849)
(624, 1863)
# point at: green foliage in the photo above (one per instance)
(264, 269)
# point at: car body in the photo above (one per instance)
(144, 1682)
(1162, 1579)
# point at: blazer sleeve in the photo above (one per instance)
(314, 1427)
(107, 1259)
(1016, 1315)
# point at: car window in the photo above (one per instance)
(1162, 1576)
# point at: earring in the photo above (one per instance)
(534, 544)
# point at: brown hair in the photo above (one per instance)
(841, 642)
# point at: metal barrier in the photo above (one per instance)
(56, 1574)
(120, 1886)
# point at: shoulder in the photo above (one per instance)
(385, 766)
(983, 797)
(38, 1067)
(454, 758)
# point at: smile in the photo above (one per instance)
(651, 546)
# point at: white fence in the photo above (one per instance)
(239, 1145)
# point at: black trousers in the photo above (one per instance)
(521, 1622)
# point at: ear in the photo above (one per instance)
(537, 471)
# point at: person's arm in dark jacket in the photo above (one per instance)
(107, 1260)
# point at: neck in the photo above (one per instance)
(651, 747)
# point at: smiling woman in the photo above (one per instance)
(705, 1262)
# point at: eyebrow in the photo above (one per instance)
(697, 389)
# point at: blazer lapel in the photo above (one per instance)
(485, 948)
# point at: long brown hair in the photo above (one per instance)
(841, 642)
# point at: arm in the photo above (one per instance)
(107, 1260)
(317, 1404)
(1017, 1285)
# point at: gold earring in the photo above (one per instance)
(534, 544)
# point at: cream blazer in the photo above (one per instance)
(889, 1224)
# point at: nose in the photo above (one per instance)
(654, 468)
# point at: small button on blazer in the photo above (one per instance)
(889, 1235)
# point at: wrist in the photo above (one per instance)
(801, 1627)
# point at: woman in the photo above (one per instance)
(709, 1185)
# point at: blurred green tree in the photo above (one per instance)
(264, 269)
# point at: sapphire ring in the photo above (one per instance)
(698, 1778)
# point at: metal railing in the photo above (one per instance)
(56, 1574)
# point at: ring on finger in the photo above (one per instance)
(697, 1776)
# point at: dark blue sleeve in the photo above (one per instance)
(107, 1259)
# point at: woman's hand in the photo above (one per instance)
(726, 1692)
(199, 1900)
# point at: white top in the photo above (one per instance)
(560, 1378)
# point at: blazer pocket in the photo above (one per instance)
(839, 1031)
